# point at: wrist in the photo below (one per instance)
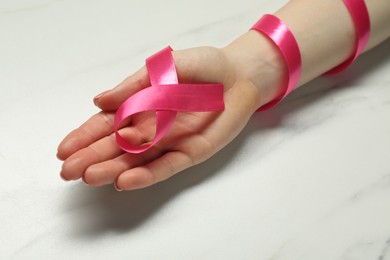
(255, 58)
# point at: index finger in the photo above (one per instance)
(95, 128)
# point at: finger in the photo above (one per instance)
(108, 171)
(95, 128)
(110, 100)
(192, 65)
(102, 150)
(74, 167)
(156, 171)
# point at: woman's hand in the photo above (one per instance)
(90, 152)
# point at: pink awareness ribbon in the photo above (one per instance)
(167, 97)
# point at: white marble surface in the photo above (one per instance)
(308, 180)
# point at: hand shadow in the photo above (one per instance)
(101, 210)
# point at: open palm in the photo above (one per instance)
(90, 152)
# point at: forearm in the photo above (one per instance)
(325, 34)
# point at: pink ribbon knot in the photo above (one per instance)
(166, 96)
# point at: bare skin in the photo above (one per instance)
(250, 68)
(91, 152)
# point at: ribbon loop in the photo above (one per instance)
(167, 97)
(282, 37)
(361, 20)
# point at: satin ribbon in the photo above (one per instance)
(278, 32)
(167, 97)
(361, 19)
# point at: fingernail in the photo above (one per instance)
(63, 178)
(99, 96)
(85, 182)
(116, 187)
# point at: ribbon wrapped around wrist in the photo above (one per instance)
(282, 37)
(279, 33)
(361, 20)
(167, 97)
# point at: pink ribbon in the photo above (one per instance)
(361, 19)
(278, 32)
(167, 97)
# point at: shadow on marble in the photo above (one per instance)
(102, 210)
